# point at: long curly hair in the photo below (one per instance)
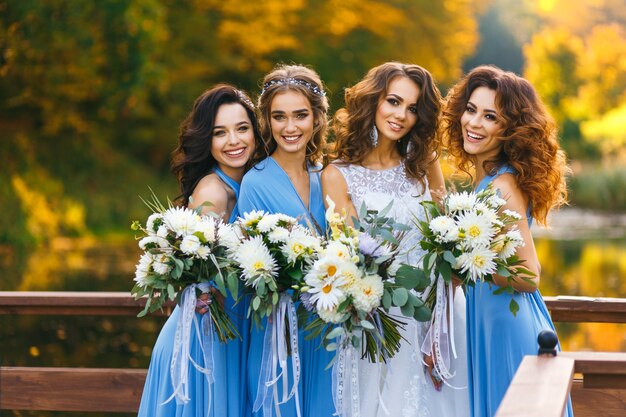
(529, 136)
(192, 159)
(352, 124)
(275, 83)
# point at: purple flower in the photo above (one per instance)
(306, 301)
(370, 246)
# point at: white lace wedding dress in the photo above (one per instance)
(406, 389)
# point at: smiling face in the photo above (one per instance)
(481, 125)
(292, 122)
(232, 142)
(397, 109)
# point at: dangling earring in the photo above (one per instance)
(374, 136)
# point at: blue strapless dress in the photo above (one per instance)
(228, 389)
(497, 341)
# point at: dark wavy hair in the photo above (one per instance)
(192, 159)
(352, 124)
(529, 136)
(319, 105)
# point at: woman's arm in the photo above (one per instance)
(436, 183)
(515, 201)
(334, 186)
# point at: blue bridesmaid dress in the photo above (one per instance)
(497, 341)
(267, 187)
(228, 388)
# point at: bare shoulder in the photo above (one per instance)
(212, 190)
(511, 192)
(332, 173)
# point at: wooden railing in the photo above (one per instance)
(600, 391)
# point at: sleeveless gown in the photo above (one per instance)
(267, 187)
(228, 387)
(407, 390)
(497, 341)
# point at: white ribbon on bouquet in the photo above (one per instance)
(181, 355)
(275, 354)
(439, 339)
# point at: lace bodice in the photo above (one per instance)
(377, 188)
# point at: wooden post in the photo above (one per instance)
(541, 384)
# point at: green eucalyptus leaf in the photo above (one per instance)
(400, 296)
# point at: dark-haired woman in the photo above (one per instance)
(216, 141)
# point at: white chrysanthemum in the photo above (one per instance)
(444, 228)
(230, 236)
(331, 316)
(143, 268)
(392, 270)
(286, 221)
(328, 266)
(479, 262)
(489, 213)
(190, 244)
(267, 223)
(338, 250)
(162, 235)
(351, 272)
(512, 214)
(152, 220)
(203, 252)
(461, 201)
(475, 229)
(149, 242)
(278, 235)
(256, 261)
(181, 221)
(161, 264)
(512, 240)
(495, 202)
(252, 219)
(300, 246)
(367, 293)
(327, 293)
(208, 228)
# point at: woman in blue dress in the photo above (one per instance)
(216, 142)
(286, 179)
(495, 122)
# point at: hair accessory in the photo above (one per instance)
(374, 135)
(315, 89)
(244, 98)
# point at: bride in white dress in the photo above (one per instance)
(385, 151)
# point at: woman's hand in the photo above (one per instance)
(432, 372)
(204, 301)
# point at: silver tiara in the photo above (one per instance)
(245, 99)
(285, 81)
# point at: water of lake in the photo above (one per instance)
(583, 254)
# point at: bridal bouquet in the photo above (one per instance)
(271, 253)
(469, 237)
(355, 282)
(182, 258)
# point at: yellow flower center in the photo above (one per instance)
(479, 261)
(332, 270)
(474, 231)
(297, 248)
(367, 291)
(327, 288)
(258, 265)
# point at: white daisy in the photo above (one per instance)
(331, 316)
(444, 228)
(142, 269)
(327, 293)
(512, 240)
(299, 246)
(267, 223)
(278, 235)
(512, 214)
(495, 202)
(162, 233)
(230, 236)
(252, 218)
(203, 252)
(161, 264)
(152, 224)
(338, 250)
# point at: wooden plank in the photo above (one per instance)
(598, 362)
(587, 309)
(71, 389)
(546, 380)
(73, 303)
(589, 402)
